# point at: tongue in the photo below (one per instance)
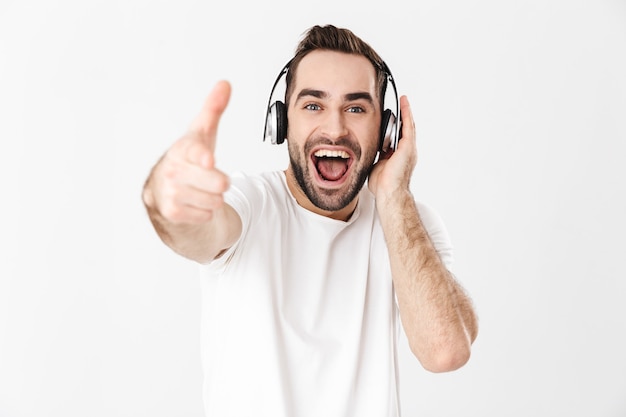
(331, 169)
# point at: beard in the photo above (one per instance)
(330, 199)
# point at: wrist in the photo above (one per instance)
(393, 200)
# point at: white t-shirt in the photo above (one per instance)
(299, 316)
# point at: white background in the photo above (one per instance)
(521, 113)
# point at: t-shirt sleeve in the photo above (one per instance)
(240, 196)
(438, 233)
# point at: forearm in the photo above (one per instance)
(200, 242)
(436, 314)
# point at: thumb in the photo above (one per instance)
(205, 124)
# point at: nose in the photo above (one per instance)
(334, 125)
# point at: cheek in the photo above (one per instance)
(371, 139)
(296, 129)
(297, 153)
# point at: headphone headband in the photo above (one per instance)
(271, 125)
(276, 114)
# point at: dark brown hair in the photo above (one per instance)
(336, 39)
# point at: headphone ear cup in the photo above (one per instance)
(387, 124)
(276, 123)
(281, 122)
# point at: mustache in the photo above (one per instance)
(344, 142)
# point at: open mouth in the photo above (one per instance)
(331, 165)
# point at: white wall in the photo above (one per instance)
(521, 112)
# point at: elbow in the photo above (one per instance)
(449, 362)
(444, 358)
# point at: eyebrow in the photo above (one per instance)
(359, 96)
(347, 97)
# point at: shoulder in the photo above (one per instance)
(249, 182)
(437, 231)
(429, 215)
(254, 184)
(248, 193)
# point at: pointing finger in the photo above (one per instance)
(206, 122)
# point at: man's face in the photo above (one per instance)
(333, 131)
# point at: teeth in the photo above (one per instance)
(326, 153)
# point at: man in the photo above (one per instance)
(307, 273)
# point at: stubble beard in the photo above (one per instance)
(327, 199)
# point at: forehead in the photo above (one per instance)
(336, 73)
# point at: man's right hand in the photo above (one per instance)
(185, 187)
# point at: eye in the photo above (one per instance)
(356, 109)
(312, 106)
